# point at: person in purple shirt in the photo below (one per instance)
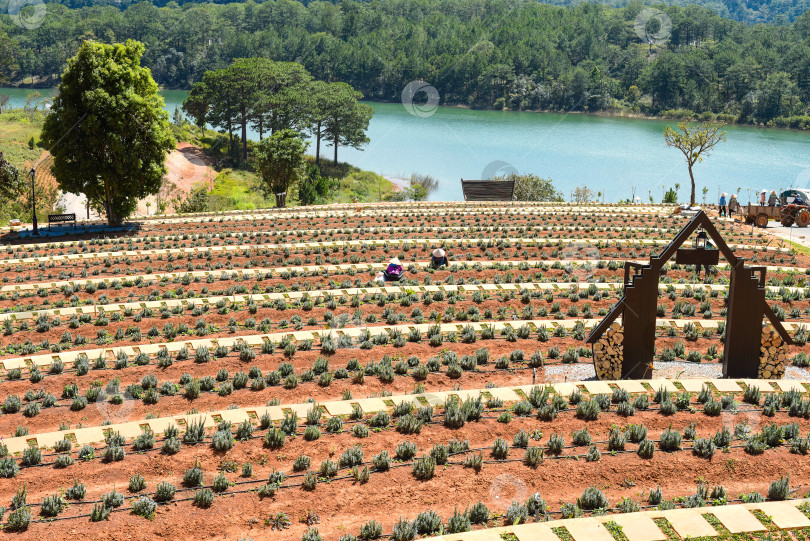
(394, 271)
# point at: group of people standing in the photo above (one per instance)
(730, 206)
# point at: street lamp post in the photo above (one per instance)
(35, 231)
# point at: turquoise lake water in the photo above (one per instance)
(611, 155)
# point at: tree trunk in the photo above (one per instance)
(112, 218)
(336, 146)
(244, 134)
(318, 145)
(261, 128)
(692, 178)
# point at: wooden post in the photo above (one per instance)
(743, 325)
(638, 321)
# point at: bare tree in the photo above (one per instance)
(695, 143)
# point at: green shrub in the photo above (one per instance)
(165, 492)
(704, 448)
(646, 449)
(428, 522)
(424, 468)
(780, 489)
(144, 507)
(533, 457)
(592, 498)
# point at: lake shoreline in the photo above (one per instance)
(631, 115)
(607, 113)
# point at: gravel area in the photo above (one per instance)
(661, 369)
(570, 372)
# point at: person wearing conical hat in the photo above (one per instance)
(438, 259)
(773, 199)
(762, 196)
(394, 271)
(733, 204)
(723, 204)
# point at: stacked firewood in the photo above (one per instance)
(608, 353)
(772, 355)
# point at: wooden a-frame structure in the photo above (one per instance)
(746, 307)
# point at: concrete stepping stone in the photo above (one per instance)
(598, 387)
(372, 405)
(505, 394)
(726, 385)
(689, 523)
(665, 383)
(790, 385)
(639, 527)
(338, 408)
(535, 531)
(588, 529)
(434, 399)
(783, 514)
(737, 519)
(631, 386)
(763, 385)
(50, 439)
(692, 385)
(159, 426)
(300, 409)
(88, 435)
(234, 416)
(564, 389)
(128, 430)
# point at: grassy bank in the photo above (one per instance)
(239, 187)
(17, 128)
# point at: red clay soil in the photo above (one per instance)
(186, 166)
(94, 414)
(343, 506)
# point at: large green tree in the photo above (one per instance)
(696, 143)
(346, 118)
(529, 187)
(107, 130)
(279, 160)
(11, 181)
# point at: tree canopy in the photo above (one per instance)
(11, 181)
(107, 130)
(529, 187)
(480, 53)
(695, 142)
(279, 161)
(270, 96)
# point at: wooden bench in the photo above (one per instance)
(61, 218)
(488, 190)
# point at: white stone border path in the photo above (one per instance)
(687, 523)
(317, 295)
(454, 243)
(132, 429)
(358, 267)
(43, 361)
(344, 230)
